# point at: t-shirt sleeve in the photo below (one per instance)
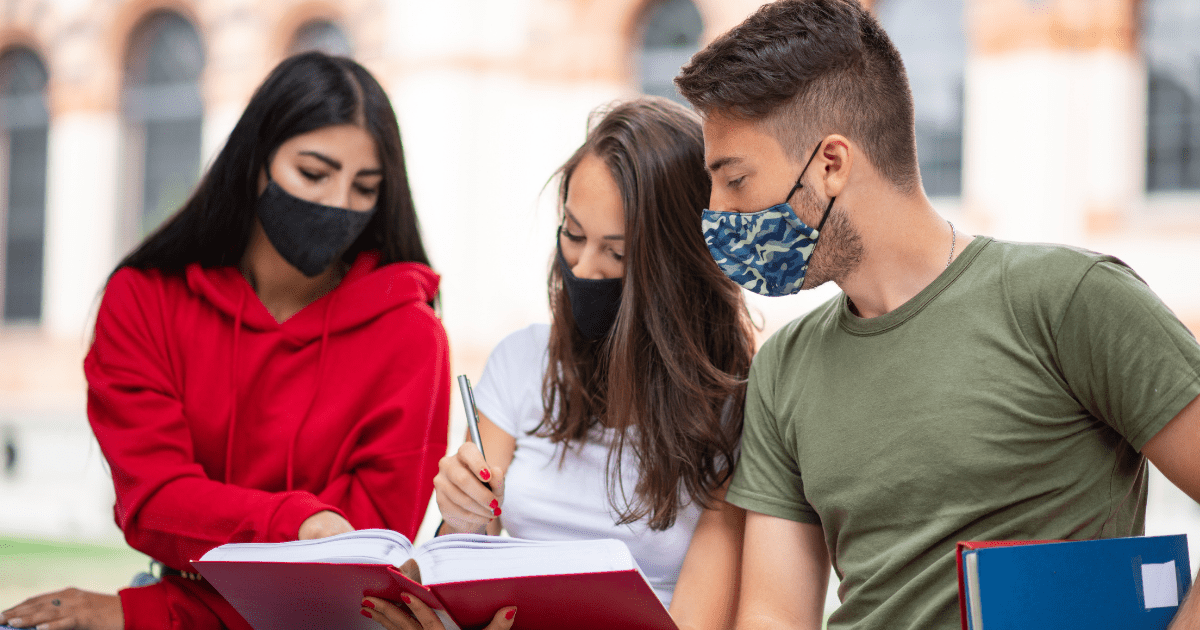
(512, 370)
(767, 476)
(1126, 357)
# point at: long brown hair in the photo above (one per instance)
(670, 375)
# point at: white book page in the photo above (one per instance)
(465, 557)
(365, 546)
(975, 608)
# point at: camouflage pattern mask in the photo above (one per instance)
(766, 252)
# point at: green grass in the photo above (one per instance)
(29, 567)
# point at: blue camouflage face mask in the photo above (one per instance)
(766, 252)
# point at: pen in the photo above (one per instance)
(468, 397)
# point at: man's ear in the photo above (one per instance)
(833, 164)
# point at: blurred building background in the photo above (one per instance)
(1073, 121)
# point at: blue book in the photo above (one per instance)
(1128, 583)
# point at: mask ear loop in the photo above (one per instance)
(800, 184)
(800, 179)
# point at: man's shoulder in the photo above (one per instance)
(1044, 262)
(1043, 276)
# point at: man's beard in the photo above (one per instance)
(839, 249)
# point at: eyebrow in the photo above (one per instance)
(717, 165)
(610, 237)
(337, 166)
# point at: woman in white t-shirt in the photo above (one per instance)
(621, 419)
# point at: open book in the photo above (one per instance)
(319, 584)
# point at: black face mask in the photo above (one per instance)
(594, 303)
(308, 235)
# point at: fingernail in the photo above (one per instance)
(405, 598)
(494, 504)
(485, 474)
(14, 622)
(368, 603)
(366, 613)
(496, 512)
(42, 626)
(510, 614)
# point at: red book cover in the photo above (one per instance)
(582, 601)
(964, 545)
(321, 596)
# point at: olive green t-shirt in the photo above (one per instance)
(1007, 400)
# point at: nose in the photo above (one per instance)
(340, 196)
(716, 203)
(335, 192)
(588, 265)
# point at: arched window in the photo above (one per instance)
(930, 37)
(1171, 41)
(24, 121)
(163, 112)
(671, 36)
(321, 35)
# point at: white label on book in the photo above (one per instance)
(1159, 585)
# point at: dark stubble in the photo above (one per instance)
(839, 249)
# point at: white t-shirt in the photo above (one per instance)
(544, 500)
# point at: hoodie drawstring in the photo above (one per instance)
(237, 331)
(316, 389)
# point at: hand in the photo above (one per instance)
(68, 609)
(413, 614)
(466, 504)
(324, 524)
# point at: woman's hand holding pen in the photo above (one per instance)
(469, 492)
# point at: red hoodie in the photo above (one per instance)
(221, 425)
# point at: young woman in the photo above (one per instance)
(267, 365)
(621, 419)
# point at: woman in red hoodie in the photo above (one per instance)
(268, 362)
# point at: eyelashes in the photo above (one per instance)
(575, 238)
(316, 177)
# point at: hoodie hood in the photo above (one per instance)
(367, 292)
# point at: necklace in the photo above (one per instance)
(953, 242)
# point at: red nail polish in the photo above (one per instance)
(368, 603)
(405, 598)
(496, 511)
(485, 474)
(510, 614)
(494, 504)
(366, 613)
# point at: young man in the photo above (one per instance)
(961, 388)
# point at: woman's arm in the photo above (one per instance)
(706, 595)
(465, 503)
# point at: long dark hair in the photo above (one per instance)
(304, 93)
(670, 375)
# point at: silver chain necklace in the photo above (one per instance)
(953, 242)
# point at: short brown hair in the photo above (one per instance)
(809, 68)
